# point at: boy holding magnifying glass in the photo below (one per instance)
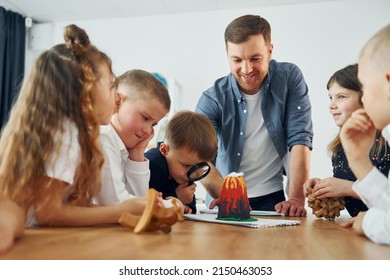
(175, 164)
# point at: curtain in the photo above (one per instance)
(12, 56)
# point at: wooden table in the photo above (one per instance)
(312, 239)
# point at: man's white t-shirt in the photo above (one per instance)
(261, 164)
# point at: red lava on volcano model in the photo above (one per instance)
(233, 201)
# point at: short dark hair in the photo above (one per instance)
(242, 28)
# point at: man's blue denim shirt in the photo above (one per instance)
(285, 107)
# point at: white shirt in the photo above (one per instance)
(263, 167)
(122, 178)
(374, 190)
(62, 165)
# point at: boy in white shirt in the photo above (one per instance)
(142, 102)
(358, 134)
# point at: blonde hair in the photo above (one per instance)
(58, 89)
(193, 131)
(139, 84)
(377, 48)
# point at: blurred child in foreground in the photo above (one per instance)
(358, 134)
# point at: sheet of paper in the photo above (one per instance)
(211, 218)
(253, 212)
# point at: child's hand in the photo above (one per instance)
(178, 202)
(348, 224)
(357, 136)
(186, 192)
(332, 187)
(358, 224)
(358, 133)
(134, 206)
(187, 210)
(355, 223)
(309, 185)
(160, 199)
(136, 153)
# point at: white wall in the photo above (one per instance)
(320, 38)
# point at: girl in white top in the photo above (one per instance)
(50, 158)
(358, 133)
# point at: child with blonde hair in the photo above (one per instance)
(143, 101)
(190, 140)
(50, 157)
(358, 134)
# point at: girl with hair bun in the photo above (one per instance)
(50, 159)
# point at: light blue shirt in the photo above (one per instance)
(285, 107)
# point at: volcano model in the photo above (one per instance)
(234, 202)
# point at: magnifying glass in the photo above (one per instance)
(198, 172)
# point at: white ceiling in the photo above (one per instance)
(73, 10)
